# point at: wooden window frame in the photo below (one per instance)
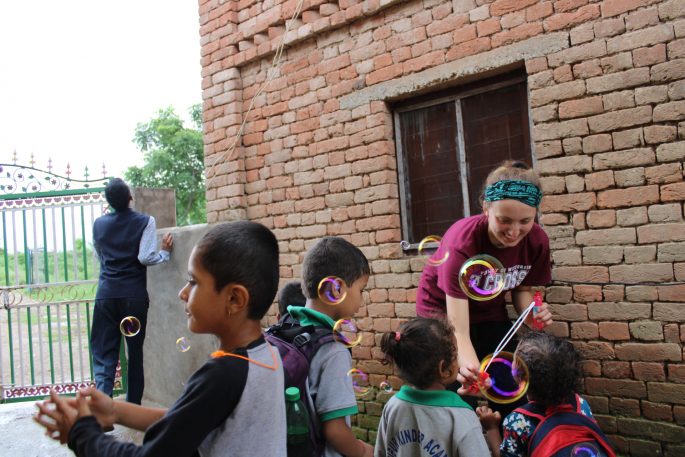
(456, 97)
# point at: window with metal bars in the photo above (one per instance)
(447, 144)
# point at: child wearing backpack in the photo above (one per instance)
(290, 294)
(556, 419)
(233, 276)
(424, 417)
(327, 383)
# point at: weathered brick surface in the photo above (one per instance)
(607, 111)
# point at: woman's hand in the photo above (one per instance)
(469, 377)
(542, 315)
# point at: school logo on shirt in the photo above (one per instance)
(485, 280)
(408, 437)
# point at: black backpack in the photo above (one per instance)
(562, 429)
(297, 345)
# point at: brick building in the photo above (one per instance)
(377, 108)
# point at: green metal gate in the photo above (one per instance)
(48, 279)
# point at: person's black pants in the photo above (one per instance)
(485, 338)
(105, 340)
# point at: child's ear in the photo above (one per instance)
(445, 370)
(236, 298)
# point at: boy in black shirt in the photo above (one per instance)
(233, 277)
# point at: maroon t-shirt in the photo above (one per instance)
(527, 263)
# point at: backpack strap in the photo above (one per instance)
(532, 410)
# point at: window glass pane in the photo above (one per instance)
(429, 145)
(495, 129)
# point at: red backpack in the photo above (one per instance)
(563, 429)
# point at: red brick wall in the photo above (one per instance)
(607, 99)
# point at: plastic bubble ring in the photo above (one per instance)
(497, 392)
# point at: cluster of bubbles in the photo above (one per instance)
(361, 385)
(332, 290)
(481, 277)
(130, 327)
(508, 376)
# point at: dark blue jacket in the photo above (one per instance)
(117, 240)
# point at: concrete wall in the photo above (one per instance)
(160, 203)
(607, 106)
(166, 368)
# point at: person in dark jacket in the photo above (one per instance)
(125, 242)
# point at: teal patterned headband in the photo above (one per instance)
(510, 189)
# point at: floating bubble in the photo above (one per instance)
(129, 326)
(438, 257)
(385, 387)
(508, 376)
(584, 450)
(481, 277)
(347, 332)
(405, 245)
(332, 290)
(182, 344)
(360, 382)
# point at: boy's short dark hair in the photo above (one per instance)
(117, 194)
(553, 365)
(245, 253)
(332, 256)
(290, 294)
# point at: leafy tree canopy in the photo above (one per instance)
(174, 158)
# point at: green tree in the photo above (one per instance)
(173, 157)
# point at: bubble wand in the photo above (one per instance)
(510, 334)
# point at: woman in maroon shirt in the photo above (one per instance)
(507, 231)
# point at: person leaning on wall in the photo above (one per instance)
(126, 244)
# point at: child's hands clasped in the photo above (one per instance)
(489, 419)
(59, 414)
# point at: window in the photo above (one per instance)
(448, 143)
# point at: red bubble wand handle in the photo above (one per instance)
(537, 323)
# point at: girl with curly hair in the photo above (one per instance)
(554, 380)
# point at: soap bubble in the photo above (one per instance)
(182, 344)
(584, 450)
(347, 332)
(439, 257)
(385, 387)
(508, 376)
(129, 326)
(332, 290)
(481, 277)
(360, 382)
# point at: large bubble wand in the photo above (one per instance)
(510, 334)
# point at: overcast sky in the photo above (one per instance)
(76, 77)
